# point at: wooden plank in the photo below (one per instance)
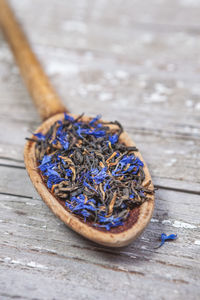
(81, 283)
(107, 84)
(167, 156)
(36, 243)
(171, 207)
(156, 128)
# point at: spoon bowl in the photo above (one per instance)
(116, 237)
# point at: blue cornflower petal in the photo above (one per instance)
(46, 163)
(138, 162)
(49, 184)
(88, 185)
(99, 133)
(91, 200)
(40, 136)
(113, 139)
(50, 172)
(53, 178)
(59, 130)
(94, 132)
(84, 206)
(78, 207)
(100, 176)
(74, 199)
(114, 172)
(79, 131)
(130, 168)
(68, 118)
(111, 219)
(65, 144)
(46, 159)
(165, 237)
(94, 120)
(107, 185)
(85, 213)
(69, 205)
(108, 225)
(81, 197)
(94, 171)
(126, 160)
(90, 207)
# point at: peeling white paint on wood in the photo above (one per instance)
(31, 264)
(179, 224)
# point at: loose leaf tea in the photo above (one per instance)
(84, 165)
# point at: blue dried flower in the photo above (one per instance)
(74, 200)
(68, 118)
(108, 222)
(59, 131)
(46, 159)
(94, 120)
(88, 185)
(86, 131)
(69, 205)
(85, 214)
(99, 175)
(79, 131)
(65, 144)
(126, 160)
(84, 206)
(165, 237)
(138, 162)
(99, 133)
(50, 172)
(81, 197)
(113, 139)
(53, 179)
(68, 172)
(46, 163)
(91, 200)
(40, 136)
(107, 185)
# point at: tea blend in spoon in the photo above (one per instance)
(87, 171)
(86, 167)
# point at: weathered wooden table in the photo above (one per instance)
(134, 61)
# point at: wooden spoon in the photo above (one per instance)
(51, 109)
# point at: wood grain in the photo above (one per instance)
(83, 45)
(45, 98)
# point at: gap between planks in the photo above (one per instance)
(159, 182)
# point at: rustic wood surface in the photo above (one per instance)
(135, 61)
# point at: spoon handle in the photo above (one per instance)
(43, 94)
